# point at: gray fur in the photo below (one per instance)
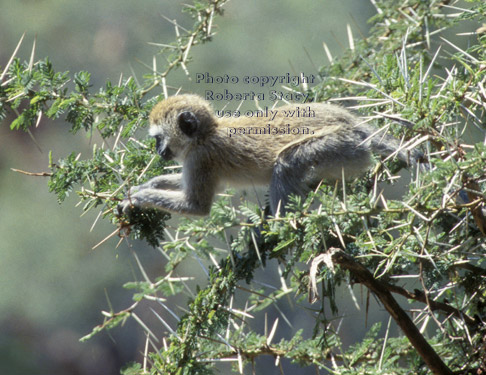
(187, 131)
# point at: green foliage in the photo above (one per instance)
(131, 369)
(431, 98)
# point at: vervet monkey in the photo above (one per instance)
(301, 146)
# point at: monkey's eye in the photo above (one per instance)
(188, 123)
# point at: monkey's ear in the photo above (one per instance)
(188, 123)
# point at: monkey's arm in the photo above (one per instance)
(166, 200)
(195, 200)
(166, 181)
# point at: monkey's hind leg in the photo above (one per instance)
(308, 163)
(288, 177)
(284, 182)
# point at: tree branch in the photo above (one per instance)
(37, 174)
(424, 349)
(434, 305)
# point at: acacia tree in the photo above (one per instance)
(412, 82)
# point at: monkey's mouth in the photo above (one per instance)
(166, 154)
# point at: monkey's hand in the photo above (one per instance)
(126, 206)
(169, 201)
(160, 192)
(135, 196)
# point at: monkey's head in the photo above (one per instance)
(179, 123)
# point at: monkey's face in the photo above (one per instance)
(174, 138)
(162, 148)
(178, 124)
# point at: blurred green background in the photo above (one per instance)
(53, 285)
